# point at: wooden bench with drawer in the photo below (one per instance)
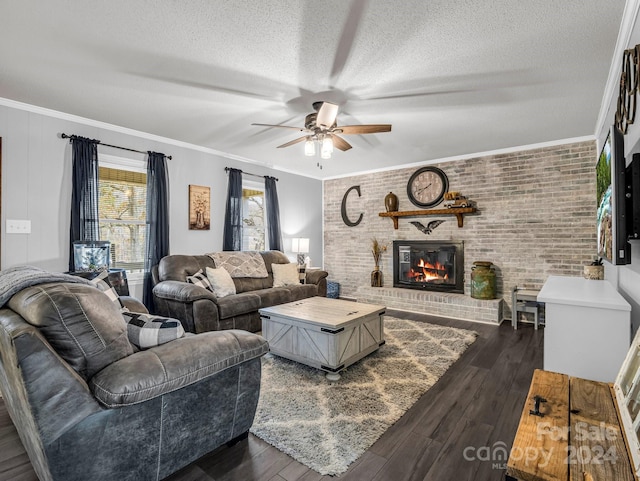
(570, 429)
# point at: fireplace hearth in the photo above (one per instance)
(429, 265)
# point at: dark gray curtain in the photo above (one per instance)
(157, 221)
(273, 213)
(84, 193)
(232, 235)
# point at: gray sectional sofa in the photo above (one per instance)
(200, 310)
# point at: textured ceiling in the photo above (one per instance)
(454, 77)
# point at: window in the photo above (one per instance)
(253, 217)
(123, 211)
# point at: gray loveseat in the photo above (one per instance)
(200, 310)
(87, 404)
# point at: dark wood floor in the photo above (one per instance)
(477, 403)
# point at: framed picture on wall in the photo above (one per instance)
(199, 207)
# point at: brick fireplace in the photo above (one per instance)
(535, 218)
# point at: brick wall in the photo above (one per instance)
(536, 217)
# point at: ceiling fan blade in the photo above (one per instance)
(295, 141)
(340, 143)
(280, 126)
(364, 129)
(327, 115)
(347, 39)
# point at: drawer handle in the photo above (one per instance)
(536, 406)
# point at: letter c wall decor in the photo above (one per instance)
(343, 209)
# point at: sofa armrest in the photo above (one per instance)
(182, 292)
(315, 276)
(195, 306)
(148, 374)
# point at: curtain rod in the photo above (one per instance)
(65, 136)
(227, 169)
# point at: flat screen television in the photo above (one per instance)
(611, 201)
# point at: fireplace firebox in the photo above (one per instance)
(429, 265)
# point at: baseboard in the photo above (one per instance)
(352, 299)
(491, 323)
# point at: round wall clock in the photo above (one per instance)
(427, 186)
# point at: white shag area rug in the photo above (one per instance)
(328, 425)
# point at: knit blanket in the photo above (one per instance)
(16, 278)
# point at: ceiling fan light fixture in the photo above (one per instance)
(327, 147)
(309, 147)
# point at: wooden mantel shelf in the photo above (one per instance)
(457, 211)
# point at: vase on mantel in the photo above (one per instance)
(376, 277)
(391, 202)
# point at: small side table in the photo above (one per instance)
(524, 300)
(117, 278)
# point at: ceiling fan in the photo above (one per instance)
(321, 126)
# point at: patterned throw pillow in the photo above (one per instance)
(302, 273)
(146, 330)
(200, 279)
(285, 274)
(101, 281)
(221, 282)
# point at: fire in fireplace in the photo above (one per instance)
(429, 265)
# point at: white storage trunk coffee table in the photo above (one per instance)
(328, 334)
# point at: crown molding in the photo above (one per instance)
(178, 143)
(508, 150)
(125, 130)
(629, 17)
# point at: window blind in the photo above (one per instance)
(122, 210)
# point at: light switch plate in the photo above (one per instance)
(18, 226)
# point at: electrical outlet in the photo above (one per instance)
(18, 226)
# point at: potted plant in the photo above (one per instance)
(595, 270)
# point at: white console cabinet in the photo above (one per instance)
(588, 328)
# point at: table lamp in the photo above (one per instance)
(300, 246)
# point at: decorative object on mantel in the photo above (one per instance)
(629, 80)
(429, 227)
(343, 207)
(483, 280)
(391, 202)
(377, 279)
(455, 200)
(594, 271)
(427, 186)
(458, 212)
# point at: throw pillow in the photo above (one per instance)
(302, 273)
(221, 282)
(146, 330)
(200, 279)
(285, 274)
(101, 281)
